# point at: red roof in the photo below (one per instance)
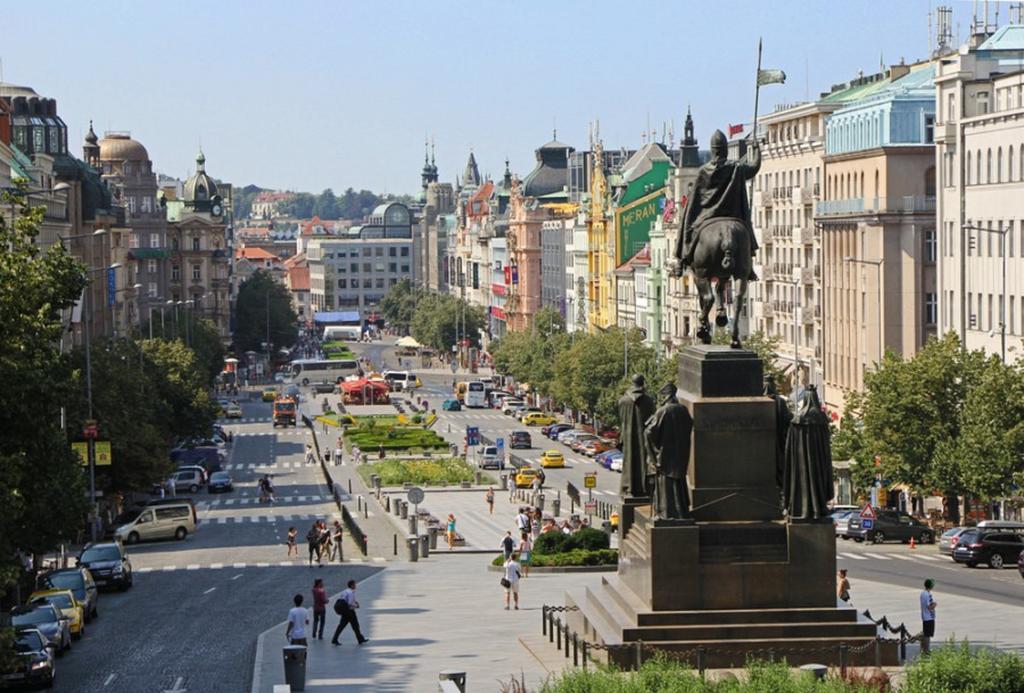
(256, 254)
(298, 278)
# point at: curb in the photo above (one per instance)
(611, 568)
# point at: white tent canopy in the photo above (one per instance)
(408, 343)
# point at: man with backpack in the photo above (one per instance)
(345, 607)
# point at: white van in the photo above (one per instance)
(350, 333)
(401, 380)
(158, 522)
(487, 457)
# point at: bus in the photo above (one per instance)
(306, 371)
(474, 394)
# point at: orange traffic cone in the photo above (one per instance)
(913, 544)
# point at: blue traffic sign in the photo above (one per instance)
(472, 435)
(867, 524)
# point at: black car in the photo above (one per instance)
(994, 547)
(79, 581)
(34, 663)
(520, 440)
(48, 620)
(220, 481)
(108, 563)
(889, 524)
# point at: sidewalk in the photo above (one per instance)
(417, 629)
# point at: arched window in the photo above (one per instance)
(999, 165)
(977, 169)
(1009, 164)
(968, 169)
(988, 165)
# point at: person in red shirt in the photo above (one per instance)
(319, 608)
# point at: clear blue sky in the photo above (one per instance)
(308, 95)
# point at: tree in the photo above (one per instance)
(200, 335)
(37, 285)
(399, 305)
(326, 205)
(442, 319)
(264, 306)
(300, 206)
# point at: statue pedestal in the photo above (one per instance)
(626, 513)
(738, 582)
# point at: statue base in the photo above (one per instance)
(629, 504)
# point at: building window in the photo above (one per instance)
(392, 281)
(405, 269)
(931, 243)
(152, 290)
(354, 267)
(380, 282)
(931, 308)
(367, 252)
(195, 243)
(151, 266)
(366, 268)
(154, 240)
(131, 204)
(197, 271)
(175, 273)
(982, 98)
(147, 205)
(379, 252)
(405, 251)
(392, 251)
(367, 283)
(929, 129)
(342, 283)
(392, 267)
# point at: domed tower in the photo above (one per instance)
(91, 148)
(200, 191)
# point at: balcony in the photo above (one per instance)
(808, 236)
(807, 314)
(767, 310)
(806, 275)
(876, 205)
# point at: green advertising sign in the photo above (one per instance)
(633, 225)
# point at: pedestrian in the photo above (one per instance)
(508, 545)
(171, 488)
(336, 540)
(319, 608)
(292, 533)
(345, 607)
(309, 454)
(313, 540)
(523, 521)
(338, 455)
(325, 543)
(451, 531)
(510, 581)
(525, 551)
(928, 605)
(490, 499)
(298, 619)
(843, 587)
(538, 517)
(380, 451)
(327, 456)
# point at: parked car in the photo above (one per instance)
(568, 435)
(233, 411)
(552, 458)
(536, 418)
(616, 464)
(80, 581)
(68, 606)
(48, 620)
(486, 456)
(153, 502)
(841, 521)
(189, 478)
(554, 428)
(577, 443)
(196, 467)
(594, 447)
(949, 539)
(162, 522)
(269, 394)
(511, 404)
(520, 440)
(219, 481)
(889, 524)
(108, 563)
(34, 665)
(324, 388)
(451, 405)
(996, 548)
(605, 459)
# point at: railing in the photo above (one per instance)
(876, 205)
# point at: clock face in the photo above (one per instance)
(216, 209)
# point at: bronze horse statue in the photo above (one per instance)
(722, 253)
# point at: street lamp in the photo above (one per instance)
(881, 304)
(1001, 232)
(90, 423)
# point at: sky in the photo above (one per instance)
(304, 95)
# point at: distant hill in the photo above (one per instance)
(352, 205)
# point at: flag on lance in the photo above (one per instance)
(770, 77)
(735, 130)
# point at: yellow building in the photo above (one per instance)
(601, 241)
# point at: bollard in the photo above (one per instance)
(556, 506)
(387, 504)
(479, 477)
(701, 660)
(405, 510)
(412, 524)
(396, 507)
(504, 482)
(544, 620)
(540, 502)
(551, 627)
(424, 546)
(558, 633)
(396, 544)
(639, 653)
(903, 643)
(844, 658)
(567, 638)
(433, 538)
(575, 650)
(584, 655)
(350, 487)
(295, 667)
(366, 510)
(359, 503)
(414, 548)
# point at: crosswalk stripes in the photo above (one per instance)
(912, 557)
(262, 564)
(854, 556)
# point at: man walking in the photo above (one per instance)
(319, 608)
(928, 605)
(346, 607)
(510, 581)
(295, 631)
(508, 545)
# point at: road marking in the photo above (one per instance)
(209, 590)
(904, 558)
(880, 557)
(237, 576)
(177, 686)
(379, 559)
(853, 556)
(216, 566)
(927, 558)
(262, 565)
(193, 566)
(238, 565)
(110, 679)
(169, 568)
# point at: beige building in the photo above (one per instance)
(979, 95)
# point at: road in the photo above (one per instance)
(191, 620)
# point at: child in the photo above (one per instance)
(292, 533)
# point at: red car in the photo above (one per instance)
(595, 447)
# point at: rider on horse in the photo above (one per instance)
(719, 192)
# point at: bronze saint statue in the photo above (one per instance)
(782, 418)
(717, 239)
(668, 438)
(807, 486)
(635, 407)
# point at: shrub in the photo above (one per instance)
(592, 539)
(588, 539)
(552, 542)
(432, 472)
(957, 668)
(576, 557)
(417, 419)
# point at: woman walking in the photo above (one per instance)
(292, 533)
(336, 539)
(451, 531)
(525, 552)
(490, 499)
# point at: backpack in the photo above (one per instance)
(340, 606)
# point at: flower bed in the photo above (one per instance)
(394, 438)
(427, 472)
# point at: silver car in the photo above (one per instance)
(949, 539)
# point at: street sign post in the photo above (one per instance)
(415, 496)
(500, 444)
(472, 435)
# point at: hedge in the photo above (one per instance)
(955, 667)
(588, 539)
(395, 438)
(568, 558)
(427, 472)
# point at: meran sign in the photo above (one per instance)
(633, 224)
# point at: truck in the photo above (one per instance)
(284, 411)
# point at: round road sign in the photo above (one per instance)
(415, 495)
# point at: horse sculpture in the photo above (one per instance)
(722, 253)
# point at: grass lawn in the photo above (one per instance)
(427, 472)
(337, 350)
(394, 438)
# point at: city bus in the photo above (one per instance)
(473, 394)
(306, 371)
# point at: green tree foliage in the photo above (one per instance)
(242, 199)
(299, 207)
(199, 334)
(36, 286)
(441, 319)
(399, 305)
(326, 205)
(251, 314)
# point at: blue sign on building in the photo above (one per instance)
(111, 286)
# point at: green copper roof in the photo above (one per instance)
(858, 92)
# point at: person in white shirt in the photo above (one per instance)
(338, 456)
(927, 617)
(346, 607)
(298, 618)
(510, 581)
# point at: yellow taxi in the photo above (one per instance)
(537, 418)
(269, 394)
(70, 607)
(552, 458)
(525, 477)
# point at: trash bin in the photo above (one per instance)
(504, 482)
(405, 510)
(424, 546)
(556, 506)
(414, 548)
(433, 538)
(540, 502)
(412, 524)
(295, 667)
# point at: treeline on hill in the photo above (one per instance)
(351, 205)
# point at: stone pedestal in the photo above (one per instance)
(629, 504)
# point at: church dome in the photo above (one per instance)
(200, 187)
(119, 146)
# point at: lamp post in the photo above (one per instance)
(1001, 232)
(90, 429)
(881, 304)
